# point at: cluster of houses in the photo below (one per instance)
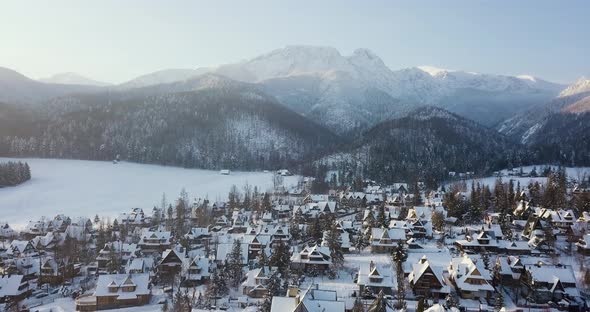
(471, 262)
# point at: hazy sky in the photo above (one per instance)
(116, 40)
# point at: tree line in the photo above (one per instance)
(14, 173)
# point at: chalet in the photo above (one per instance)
(515, 247)
(20, 248)
(482, 242)
(373, 279)
(13, 288)
(510, 269)
(256, 282)
(35, 228)
(170, 264)
(312, 258)
(55, 272)
(427, 280)
(198, 235)
(559, 218)
(550, 283)
(135, 217)
(154, 241)
(116, 291)
(48, 241)
(6, 232)
(312, 299)
(118, 250)
(195, 271)
(218, 208)
(256, 245)
(139, 265)
(385, 240)
(471, 280)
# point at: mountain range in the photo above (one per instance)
(295, 105)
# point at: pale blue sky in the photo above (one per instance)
(115, 40)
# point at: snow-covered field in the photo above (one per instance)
(87, 188)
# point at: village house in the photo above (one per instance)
(385, 240)
(115, 291)
(312, 299)
(119, 251)
(427, 280)
(170, 264)
(20, 248)
(198, 235)
(154, 241)
(510, 269)
(312, 258)
(373, 279)
(13, 288)
(550, 283)
(195, 271)
(483, 242)
(471, 280)
(55, 272)
(256, 281)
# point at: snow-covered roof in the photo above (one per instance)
(104, 282)
(9, 285)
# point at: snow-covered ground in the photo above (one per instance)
(87, 188)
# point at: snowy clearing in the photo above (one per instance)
(87, 188)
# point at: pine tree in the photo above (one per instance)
(294, 223)
(266, 205)
(335, 245)
(399, 257)
(235, 267)
(420, 305)
(499, 302)
(362, 241)
(280, 258)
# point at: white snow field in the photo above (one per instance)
(88, 188)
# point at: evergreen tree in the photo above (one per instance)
(333, 240)
(420, 305)
(266, 205)
(499, 302)
(280, 257)
(399, 257)
(235, 267)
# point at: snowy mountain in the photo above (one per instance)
(582, 85)
(351, 92)
(484, 98)
(16, 88)
(73, 79)
(525, 126)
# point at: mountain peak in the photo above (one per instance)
(70, 78)
(580, 86)
(434, 71)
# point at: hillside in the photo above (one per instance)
(223, 127)
(427, 144)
